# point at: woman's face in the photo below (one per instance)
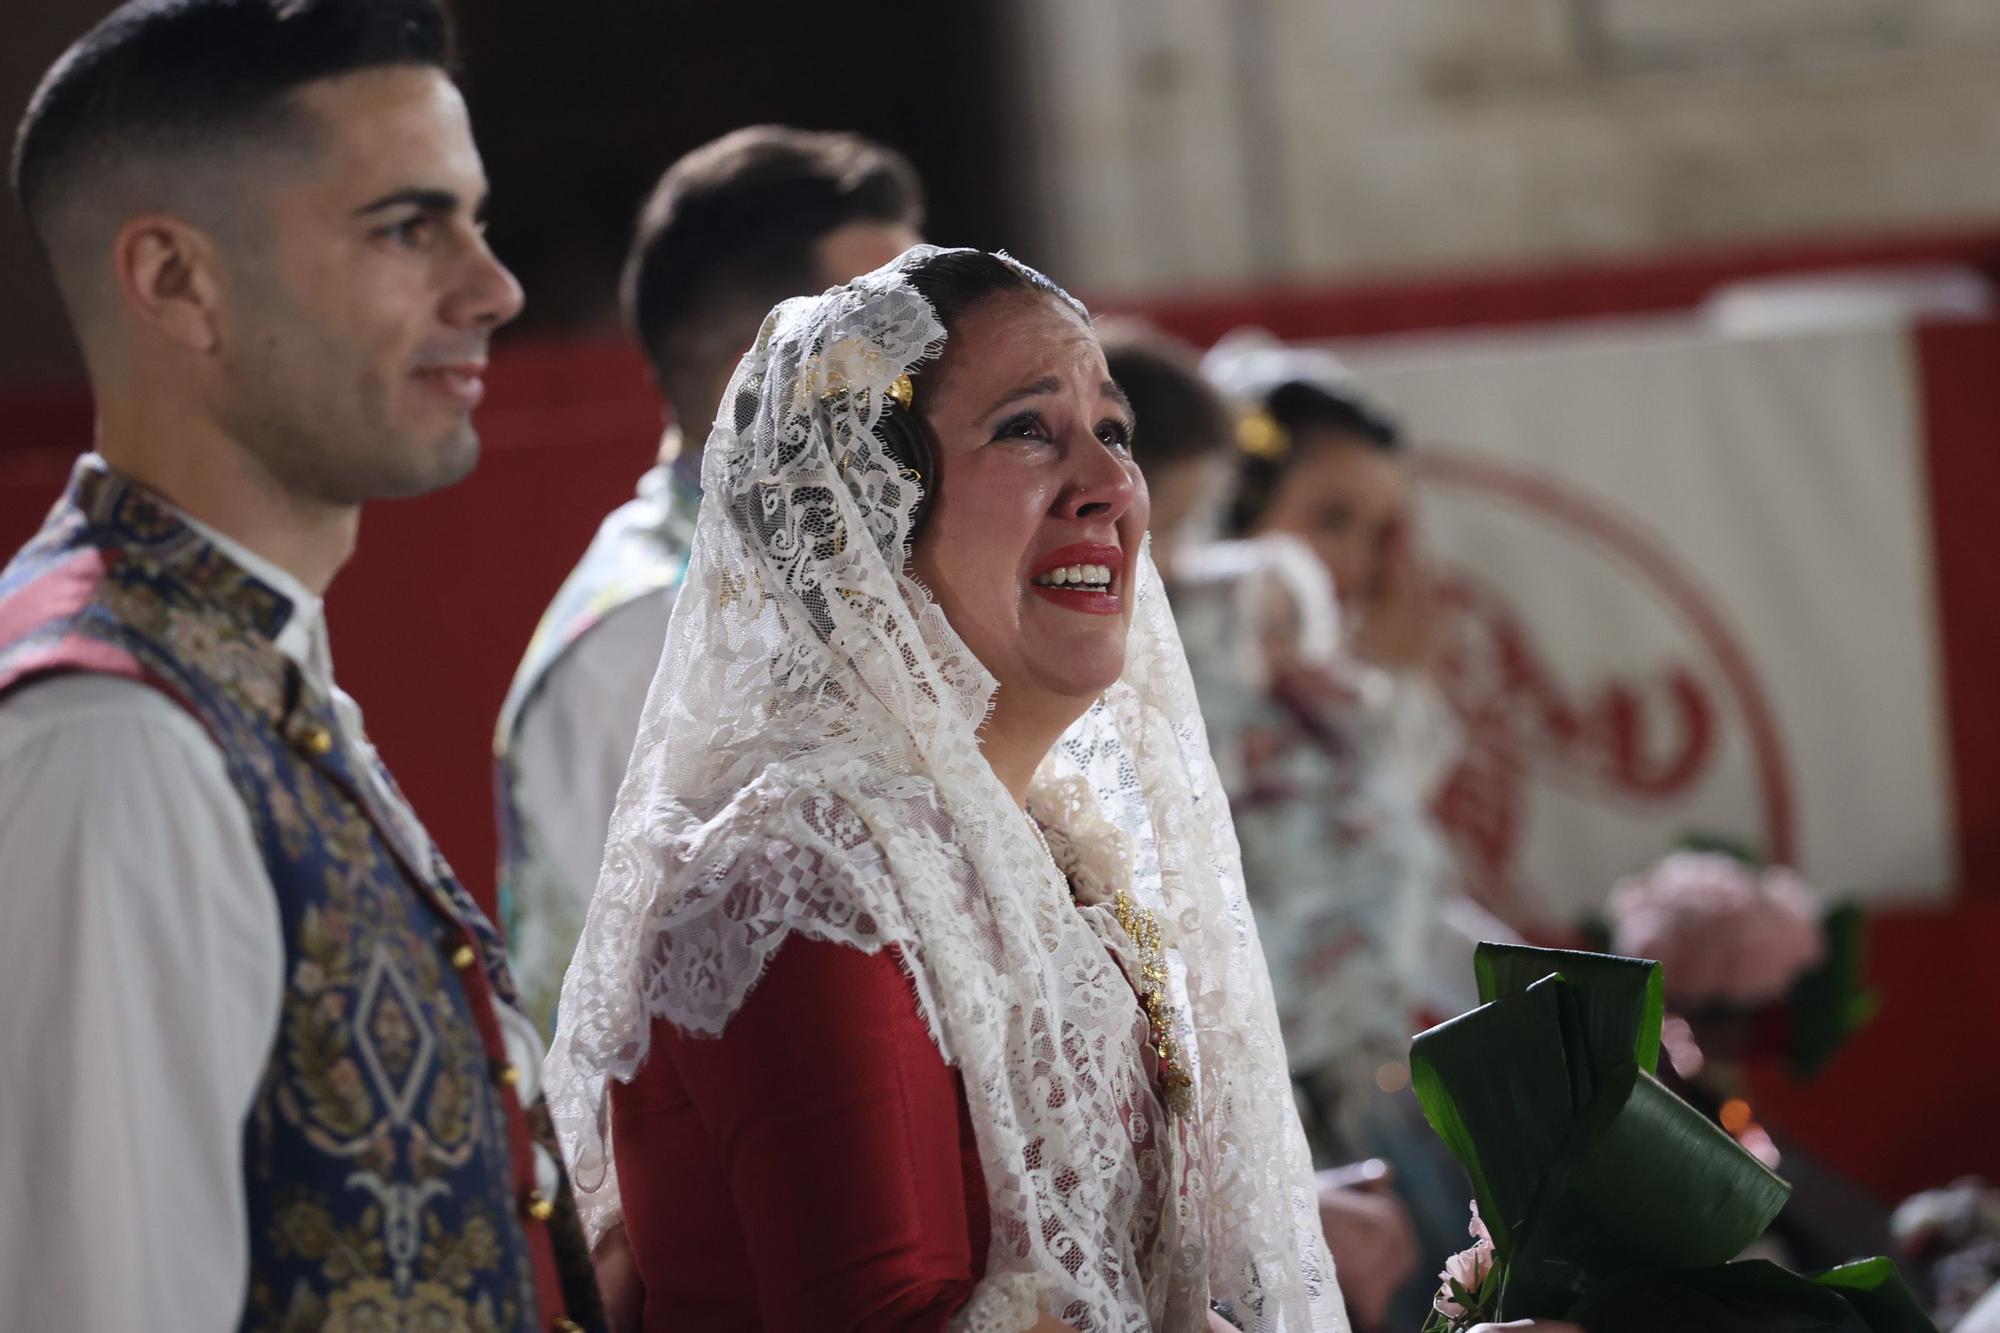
(1032, 544)
(1347, 500)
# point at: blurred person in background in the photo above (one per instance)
(732, 228)
(1317, 462)
(262, 1065)
(1242, 610)
(1340, 862)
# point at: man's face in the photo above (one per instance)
(357, 319)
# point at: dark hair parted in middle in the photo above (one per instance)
(1297, 411)
(158, 81)
(734, 227)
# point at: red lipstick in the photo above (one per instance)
(1107, 600)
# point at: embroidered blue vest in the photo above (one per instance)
(640, 550)
(388, 1164)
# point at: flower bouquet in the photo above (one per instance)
(1756, 960)
(1600, 1196)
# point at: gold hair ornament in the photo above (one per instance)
(1259, 435)
(901, 391)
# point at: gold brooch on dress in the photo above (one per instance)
(1094, 856)
(1144, 929)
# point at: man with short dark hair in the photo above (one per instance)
(263, 1064)
(732, 228)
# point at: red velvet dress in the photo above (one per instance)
(811, 1169)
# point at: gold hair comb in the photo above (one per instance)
(1260, 435)
(902, 391)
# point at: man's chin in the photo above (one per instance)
(431, 466)
(457, 456)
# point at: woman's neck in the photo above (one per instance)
(1019, 734)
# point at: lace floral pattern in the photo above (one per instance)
(808, 764)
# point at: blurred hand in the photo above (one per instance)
(618, 1281)
(1316, 690)
(1370, 1173)
(1373, 1242)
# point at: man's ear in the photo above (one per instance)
(169, 274)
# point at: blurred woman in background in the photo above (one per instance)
(1341, 863)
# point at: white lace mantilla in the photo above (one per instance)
(808, 764)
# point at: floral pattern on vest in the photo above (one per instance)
(388, 1164)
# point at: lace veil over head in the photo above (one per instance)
(808, 764)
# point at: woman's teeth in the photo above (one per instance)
(1076, 576)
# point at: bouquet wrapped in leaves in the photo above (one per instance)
(1608, 1200)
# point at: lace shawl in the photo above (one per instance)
(808, 764)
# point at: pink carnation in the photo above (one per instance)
(1724, 933)
(1468, 1268)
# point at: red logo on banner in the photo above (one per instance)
(1643, 738)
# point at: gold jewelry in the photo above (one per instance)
(1259, 435)
(902, 390)
(1144, 928)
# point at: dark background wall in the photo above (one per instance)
(580, 105)
(35, 347)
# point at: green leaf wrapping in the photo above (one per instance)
(1750, 1297)
(1877, 1290)
(1623, 999)
(1755, 1296)
(1504, 1119)
(1646, 1180)
(1609, 1198)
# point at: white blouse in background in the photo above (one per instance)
(576, 738)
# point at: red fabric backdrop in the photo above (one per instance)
(431, 615)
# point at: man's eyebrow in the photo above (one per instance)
(1111, 390)
(417, 196)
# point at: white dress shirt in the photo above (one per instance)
(576, 737)
(141, 980)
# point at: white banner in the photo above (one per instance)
(1691, 578)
